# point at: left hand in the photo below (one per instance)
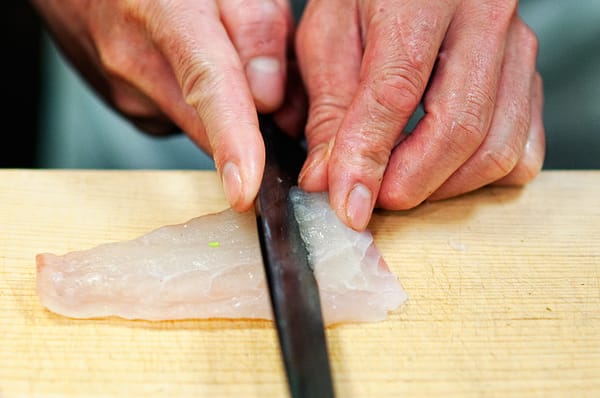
(368, 64)
(205, 67)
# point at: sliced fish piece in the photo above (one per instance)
(211, 267)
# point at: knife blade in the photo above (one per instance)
(292, 286)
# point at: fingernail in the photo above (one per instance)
(358, 207)
(317, 157)
(232, 183)
(264, 76)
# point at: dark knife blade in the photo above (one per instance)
(292, 285)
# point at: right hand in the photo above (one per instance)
(205, 67)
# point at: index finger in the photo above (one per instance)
(211, 76)
(400, 51)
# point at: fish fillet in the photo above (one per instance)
(211, 267)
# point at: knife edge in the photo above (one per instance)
(293, 289)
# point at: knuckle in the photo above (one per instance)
(398, 197)
(365, 153)
(374, 160)
(500, 161)
(325, 115)
(529, 165)
(466, 131)
(471, 121)
(396, 89)
(371, 160)
(199, 81)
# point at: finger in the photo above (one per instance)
(213, 82)
(329, 50)
(291, 116)
(458, 105)
(505, 143)
(400, 52)
(532, 160)
(259, 30)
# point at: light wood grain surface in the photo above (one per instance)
(503, 286)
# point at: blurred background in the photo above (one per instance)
(52, 120)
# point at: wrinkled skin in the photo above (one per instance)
(366, 66)
(170, 65)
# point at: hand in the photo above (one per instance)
(205, 67)
(368, 64)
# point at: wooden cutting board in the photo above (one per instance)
(503, 286)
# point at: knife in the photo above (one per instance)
(292, 286)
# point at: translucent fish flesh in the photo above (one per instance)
(211, 267)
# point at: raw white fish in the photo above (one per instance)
(211, 267)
